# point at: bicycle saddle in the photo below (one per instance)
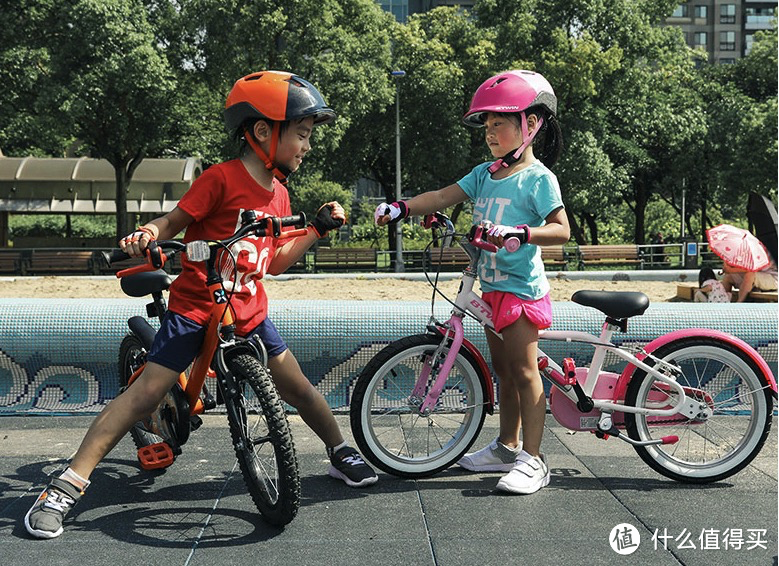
(616, 304)
(145, 283)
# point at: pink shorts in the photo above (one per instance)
(507, 308)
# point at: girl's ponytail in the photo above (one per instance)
(548, 145)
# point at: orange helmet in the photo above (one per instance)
(276, 96)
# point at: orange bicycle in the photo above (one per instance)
(257, 420)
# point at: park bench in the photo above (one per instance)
(46, 262)
(686, 292)
(10, 261)
(450, 259)
(453, 259)
(609, 255)
(345, 259)
(554, 257)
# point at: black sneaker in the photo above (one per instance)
(346, 464)
(44, 519)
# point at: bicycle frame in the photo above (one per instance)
(467, 301)
(221, 318)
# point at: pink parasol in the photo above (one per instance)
(737, 247)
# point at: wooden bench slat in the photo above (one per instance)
(58, 261)
(336, 259)
(552, 256)
(607, 254)
(10, 261)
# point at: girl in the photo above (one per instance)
(517, 193)
(711, 289)
(273, 114)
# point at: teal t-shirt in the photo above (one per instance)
(526, 197)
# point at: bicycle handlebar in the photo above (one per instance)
(268, 226)
(439, 220)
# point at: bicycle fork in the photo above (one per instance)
(427, 404)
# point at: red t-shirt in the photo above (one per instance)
(216, 200)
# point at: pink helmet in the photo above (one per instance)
(512, 91)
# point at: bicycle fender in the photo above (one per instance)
(143, 330)
(738, 343)
(484, 374)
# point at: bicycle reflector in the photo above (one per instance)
(198, 250)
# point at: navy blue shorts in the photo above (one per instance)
(179, 339)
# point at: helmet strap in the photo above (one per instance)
(280, 172)
(515, 154)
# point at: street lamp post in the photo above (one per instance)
(399, 226)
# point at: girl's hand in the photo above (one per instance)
(390, 213)
(498, 234)
(135, 244)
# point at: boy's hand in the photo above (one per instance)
(390, 213)
(135, 244)
(330, 216)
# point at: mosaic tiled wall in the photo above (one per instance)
(60, 356)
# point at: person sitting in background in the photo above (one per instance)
(711, 289)
(748, 281)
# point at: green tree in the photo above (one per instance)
(111, 85)
(28, 123)
(343, 47)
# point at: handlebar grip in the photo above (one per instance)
(296, 220)
(511, 244)
(114, 256)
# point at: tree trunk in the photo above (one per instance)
(576, 230)
(640, 192)
(592, 225)
(124, 169)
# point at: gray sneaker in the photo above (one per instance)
(495, 457)
(44, 519)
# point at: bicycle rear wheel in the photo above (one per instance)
(735, 419)
(386, 421)
(132, 356)
(262, 440)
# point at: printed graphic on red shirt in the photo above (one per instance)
(216, 200)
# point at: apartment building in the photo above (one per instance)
(402, 9)
(724, 29)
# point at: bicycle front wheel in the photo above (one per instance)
(262, 441)
(735, 418)
(386, 421)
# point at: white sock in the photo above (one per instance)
(334, 449)
(72, 477)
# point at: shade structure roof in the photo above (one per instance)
(87, 185)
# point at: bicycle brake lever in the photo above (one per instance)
(476, 239)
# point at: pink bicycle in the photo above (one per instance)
(695, 404)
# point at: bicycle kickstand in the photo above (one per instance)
(606, 427)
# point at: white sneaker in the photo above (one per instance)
(495, 457)
(529, 474)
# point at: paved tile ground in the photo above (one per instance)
(198, 512)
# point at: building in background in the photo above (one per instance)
(724, 29)
(402, 9)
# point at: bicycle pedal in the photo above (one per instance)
(155, 456)
(195, 422)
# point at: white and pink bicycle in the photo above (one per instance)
(696, 404)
